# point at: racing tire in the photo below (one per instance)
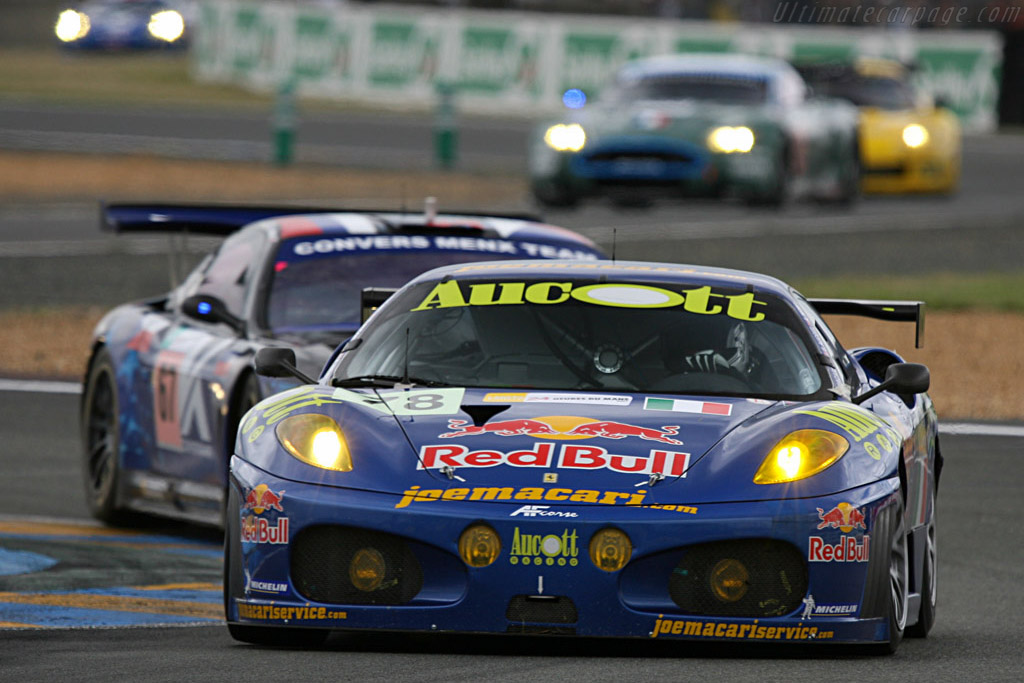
(247, 394)
(929, 582)
(893, 533)
(101, 439)
(779, 195)
(554, 195)
(849, 179)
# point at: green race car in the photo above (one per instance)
(700, 125)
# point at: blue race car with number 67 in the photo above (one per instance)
(604, 449)
(169, 377)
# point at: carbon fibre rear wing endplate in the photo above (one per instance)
(896, 311)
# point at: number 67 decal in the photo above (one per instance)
(166, 414)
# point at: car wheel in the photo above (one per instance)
(554, 195)
(893, 533)
(779, 194)
(101, 467)
(929, 583)
(246, 396)
(849, 178)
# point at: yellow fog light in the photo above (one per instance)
(800, 455)
(566, 138)
(610, 550)
(915, 135)
(479, 545)
(316, 440)
(728, 139)
(729, 580)
(366, 570)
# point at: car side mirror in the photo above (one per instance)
(901, 378)
(210, 309)
(277, 361)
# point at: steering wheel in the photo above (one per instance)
(606, 358)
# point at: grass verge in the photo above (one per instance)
(940, 291)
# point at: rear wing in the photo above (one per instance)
(896, 311)
(223, 219)
(211, 219)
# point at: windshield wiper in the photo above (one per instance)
(384, 381)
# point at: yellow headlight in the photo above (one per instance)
(730, 139)
(915, 135)
(729, 580)
(610, 550)
(316, 440)
(167, 25)
(479, 545)
(367, 569)
(72, 25)
(800, 455)
(566, 138)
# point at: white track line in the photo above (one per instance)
(957, 428)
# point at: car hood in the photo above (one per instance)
(615, 448)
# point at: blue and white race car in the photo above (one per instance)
(169, 377)
(595, 449)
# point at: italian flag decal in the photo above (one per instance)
(677, 405)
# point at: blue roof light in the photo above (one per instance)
(204, 307)
(574, 98)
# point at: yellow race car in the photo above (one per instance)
(908, 141)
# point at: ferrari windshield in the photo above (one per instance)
(715, 87)
(318, 283)
(586, 334)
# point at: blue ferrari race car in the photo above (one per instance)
(599, 449)
(169, 377)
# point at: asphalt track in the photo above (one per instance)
(114, 606)
(164, 576)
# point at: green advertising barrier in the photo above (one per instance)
(504, 62)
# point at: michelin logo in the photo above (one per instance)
(837, 610)
(541, 511)
(252, 586)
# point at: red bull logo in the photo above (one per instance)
(259, 530)
(563, 427)
(847, 550)
(844, 517)
(261, 499)
(573, 457)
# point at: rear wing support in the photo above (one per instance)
(896, 311)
